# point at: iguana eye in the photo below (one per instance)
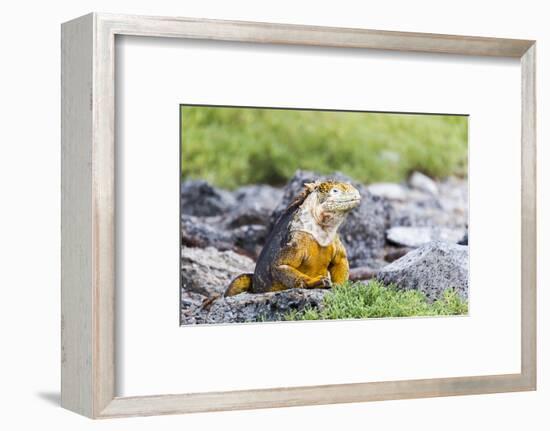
(334, 191)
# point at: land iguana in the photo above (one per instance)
(303, 249)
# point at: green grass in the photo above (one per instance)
(230, 147)
(360, 301)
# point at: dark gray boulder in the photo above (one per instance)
(263, 307)
(208, 271)
(205, 232)
(243, 216)
(198, 198)
(363, 232)
(432, 268)
(258, 197)
(255, 203)
(250, 239)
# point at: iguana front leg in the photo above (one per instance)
(339, 266)
(284, 270)
(292, 278)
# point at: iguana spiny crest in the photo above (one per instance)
(303, 249)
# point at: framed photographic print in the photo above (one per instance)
(277, 222)
(266, 215)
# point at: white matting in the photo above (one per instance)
(156, 356)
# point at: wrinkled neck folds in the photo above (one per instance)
(318, 222)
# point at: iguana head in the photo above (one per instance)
(322, 207)
(334, 196)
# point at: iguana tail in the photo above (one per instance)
(241, 283)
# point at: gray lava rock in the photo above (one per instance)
(199, 198)
(394, 253)
(424, 183)
(209, 271)
(363, 232)
(254, 307)
(192, 311)
(258, 197)
(250, 238)
(421, 209)
(390, 191)
(431, 269)
(205, 232)
(453, 198)
(242, 216)
(421, 214)
(416, 236)
(255, 203)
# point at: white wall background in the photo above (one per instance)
(29, 215)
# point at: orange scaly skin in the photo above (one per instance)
(303, 249)
(303, 263)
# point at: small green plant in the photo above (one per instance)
(373, 299)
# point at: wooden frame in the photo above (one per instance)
(88, 205)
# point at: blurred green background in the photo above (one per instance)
(230, 147)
